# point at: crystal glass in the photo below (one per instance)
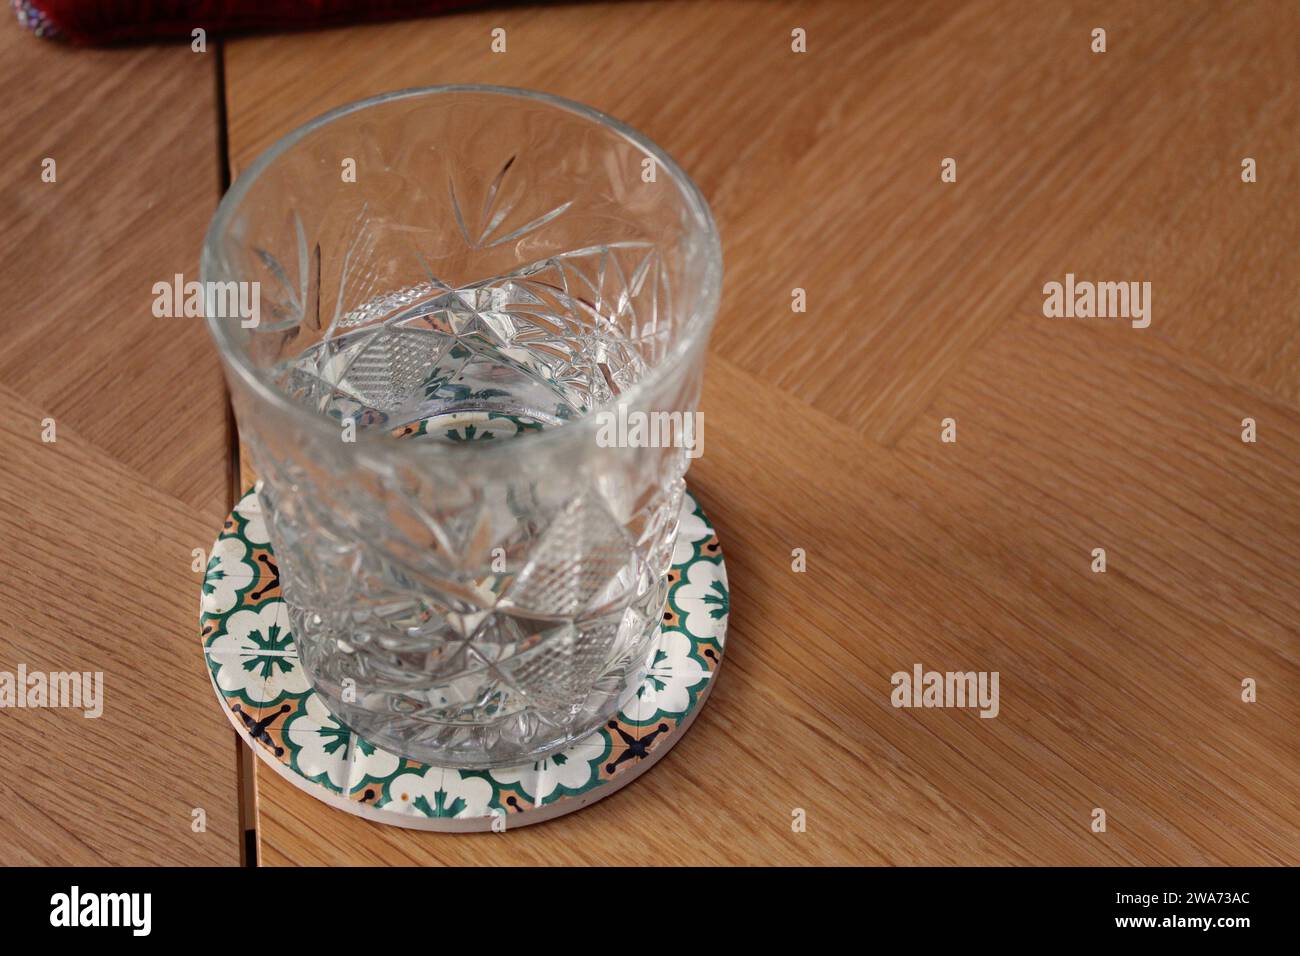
(458, 287)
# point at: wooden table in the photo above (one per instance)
(1119, 691)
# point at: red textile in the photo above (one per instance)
(95, 22)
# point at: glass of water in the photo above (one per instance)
(472, 307)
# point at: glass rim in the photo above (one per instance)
(698, 323)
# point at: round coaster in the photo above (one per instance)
(255, 670)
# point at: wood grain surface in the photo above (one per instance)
(97, 527)
(1120, 691)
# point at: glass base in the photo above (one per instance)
(529, 736)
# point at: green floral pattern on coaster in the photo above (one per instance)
(254, 666)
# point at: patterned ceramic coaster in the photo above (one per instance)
(255, 670)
